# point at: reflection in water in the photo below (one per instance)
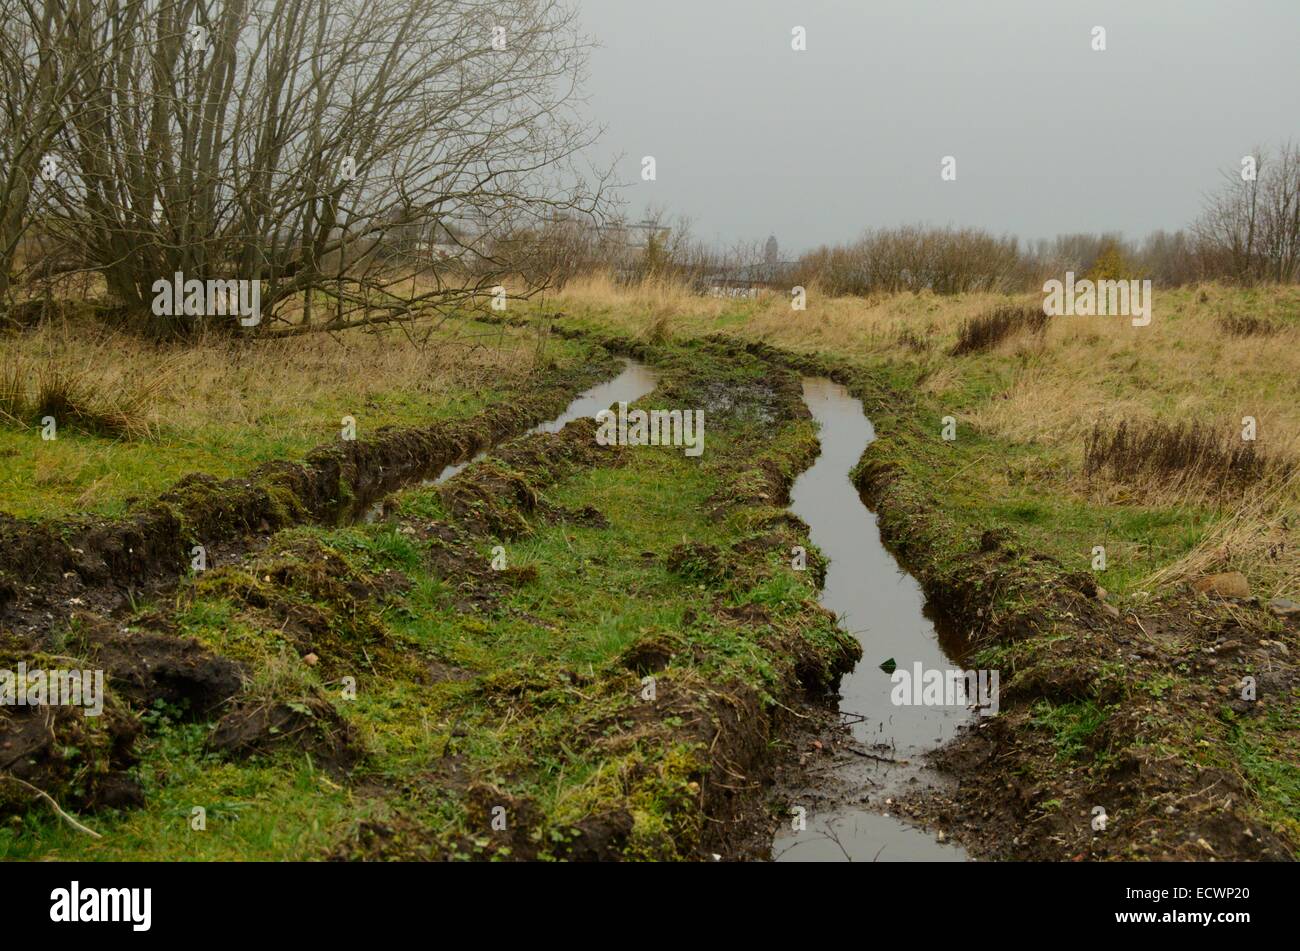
(854, 835)
(634, 382)
(885, 609)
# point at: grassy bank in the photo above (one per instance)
(133, 417)
(1122, 685)
(613, 687)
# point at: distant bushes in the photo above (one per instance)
(945, 261)
(1173, 453)
(988, 330)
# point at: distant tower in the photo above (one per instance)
(770, 251)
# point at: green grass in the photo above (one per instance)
(980, 484)
(1071, 725)
(77, 472)
(548, 715)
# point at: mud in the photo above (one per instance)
(80, 761)
(258, 727)
(44, 566)
(145, 666)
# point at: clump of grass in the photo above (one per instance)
(1237, 325)
(1072, 725)
(659, 330)
(988, 330)
(912, 341)
(1181, 454)
(73, 400)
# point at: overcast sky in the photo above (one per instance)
(751, 137)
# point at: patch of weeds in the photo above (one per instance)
(1072, 725)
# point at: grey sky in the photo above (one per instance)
(751, 137)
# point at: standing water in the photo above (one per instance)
(634, 382)
(884, 607)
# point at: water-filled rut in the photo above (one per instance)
(634, 382)
(884, 608)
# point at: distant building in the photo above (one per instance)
(770, 255)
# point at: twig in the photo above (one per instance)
(54, 805)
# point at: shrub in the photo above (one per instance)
(986, 331)
(1181, 453)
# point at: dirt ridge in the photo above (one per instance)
(335, 481)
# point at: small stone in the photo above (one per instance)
(1283, 607)
(311, 660)
(1110, 609)
(1228, 584)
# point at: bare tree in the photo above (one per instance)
(1280, 216)
(31, 93)
(299, 142)
(1250, 228)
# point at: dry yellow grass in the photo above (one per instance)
(1182, 366)
(221, 407)
(220, 383)
(1048, 390)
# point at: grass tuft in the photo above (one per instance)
(1181, 453)
(988, 330)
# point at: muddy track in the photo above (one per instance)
(1015, 799)
(728, 814)
(49, 568)
(329, 612)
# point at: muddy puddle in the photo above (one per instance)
(634, 382)
(847, 805)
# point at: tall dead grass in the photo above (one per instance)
(116, 384)
(1259, 538)
(988, 330)
(1210, 356)
(1181, 456)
